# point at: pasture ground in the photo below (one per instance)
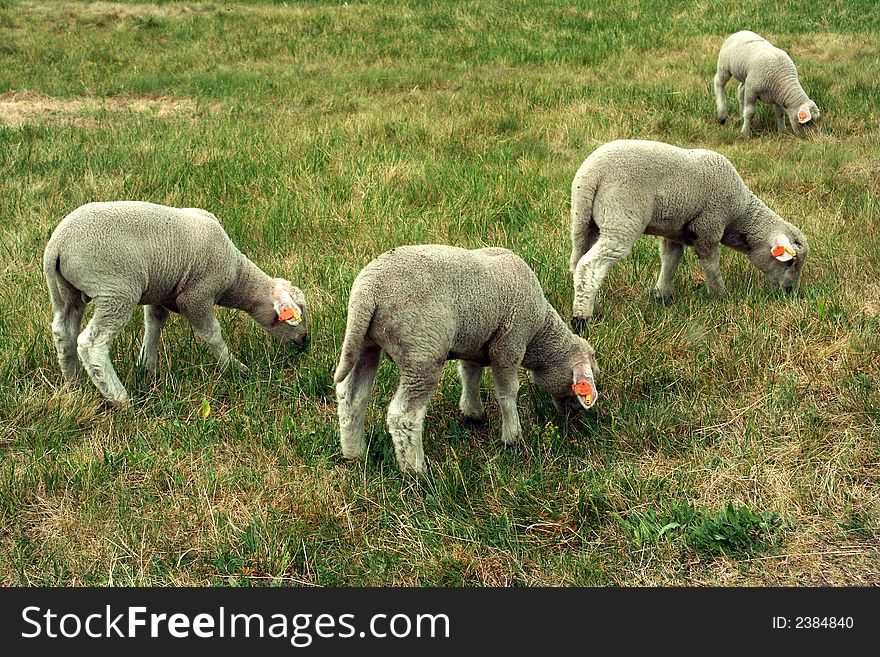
(736, 441)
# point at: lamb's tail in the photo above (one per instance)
(61, 292)
(360, 313)
(584, 230)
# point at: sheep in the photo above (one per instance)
(426, 304)
(686, 197)
(127, 253)
(765, 73)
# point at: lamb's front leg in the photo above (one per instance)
(204, 322)
(470, 403)
(670, 257)
(710, 258)
(154, 319)
(780, 118)
(748, 110)
(506, 384)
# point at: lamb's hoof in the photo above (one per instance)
(350, 456)
(474, 420)
(580, 324)
(239, 367)
(511, 439)
(661, 297)
(413, 471)
(117, 404)
(722, 120)
(148, 371)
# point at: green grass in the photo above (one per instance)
(732, 531)
(325, 133)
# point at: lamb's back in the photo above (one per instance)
(652, 167)
(672, 184)
(445, 295)
(138, 248)
(749, 54)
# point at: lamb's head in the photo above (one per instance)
(283, 313)
(804, 116)
(571, 380)
(781, 256)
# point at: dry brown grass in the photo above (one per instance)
(115, 10)
(23, 107)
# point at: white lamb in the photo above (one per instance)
(765, 73)
(424, 305)
(128, 253)
(687, 197)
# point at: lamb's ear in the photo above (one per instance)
(583, 384)
(288, 311)
(782, 249)
(298, 296)
(285, 307)
(804, 115)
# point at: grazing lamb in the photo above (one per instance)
(128, 253)
(687, 197)
(424, 305)
(765, 73)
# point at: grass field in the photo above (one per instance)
(736, 441)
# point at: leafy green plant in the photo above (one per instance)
(733, 531)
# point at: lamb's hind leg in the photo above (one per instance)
(582, 240)
(594, 265)
(721, 78)
(65, 328)
(154, 319)
(352, 396)
(406, 414)
(93, 346)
